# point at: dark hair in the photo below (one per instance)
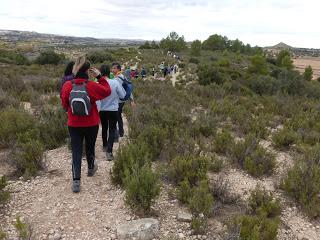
(117, 65)
(68, 70)
(105, 70)
(85, 67)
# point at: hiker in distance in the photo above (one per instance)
(109, 112)
(127, 85)
(79, 98)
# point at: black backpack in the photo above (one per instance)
(128, 87)
(79, 100)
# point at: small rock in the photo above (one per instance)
(181, 235)
(184, 217)
(113, 236)
(142, 229)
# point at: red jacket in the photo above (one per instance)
(96, 91)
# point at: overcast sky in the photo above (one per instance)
(258, 22)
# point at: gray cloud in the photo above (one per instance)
(263, 22)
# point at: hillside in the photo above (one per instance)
(225, 148)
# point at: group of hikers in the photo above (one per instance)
(131, 73)
(91, 97)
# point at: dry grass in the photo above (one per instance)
(303, 62)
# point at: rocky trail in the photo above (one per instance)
(47, 204)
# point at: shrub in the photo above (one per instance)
(142, 188)
(284, 138)
(303, 181)
(255, 227)
(4, 195)
(262, 203)
(50, 57)
(2, 235)
(194, 60)
(23, 229)
(201, 204)
(253, 158)
(184, 191)
(127, 158)
(264, 219)
(13, 123)
(209, 74)
(52, 126)
(216, 164)
(28, 156)
(223, 142)
(100, 57)
(191, 168)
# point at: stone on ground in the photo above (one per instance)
(142, 229)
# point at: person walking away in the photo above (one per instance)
(153, 71)
(79, 98)
(165, 71)
(143, 73)
(116, 70)
(109, 112)
(132, 74)
(68, 75)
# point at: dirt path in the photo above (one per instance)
(174, 77)
(54, 212)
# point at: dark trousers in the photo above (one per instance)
(77, 135)
(120, 120)
(109, 125)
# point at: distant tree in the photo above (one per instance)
(146, 45)
(284, 60)
(216, 42)
(196, 48)
(173, 42)
(50, 57)
(154, 45)
(258, 65)
(308, 73)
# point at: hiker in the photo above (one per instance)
(79, 98)
(143, 73)
(127, 73)
(109, 112)
(68, 75)
(153, 71)
(136, 73)
(132, 73)
(116, 70)
(165, 72)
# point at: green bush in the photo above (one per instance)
(127, 158)
(4, 195)
(263, 221)
(209, 74)
(303, 181)
(2, 235)
(284, 138)
(216, 164)
(28, 157)
(253, 158)
(191, 168)
(13, 123)
(262, 203)
(100, 57)
(184, 191)
(50, 57)
(256, 228)
(223, 142)
(23, 229)
(52, 127)
(142, 188)
(201, 204)
(194, 60)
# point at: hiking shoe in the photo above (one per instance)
(109, 156)
(92, 171)
(121, 134)
(76, 186)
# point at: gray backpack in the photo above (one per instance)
(79, 100)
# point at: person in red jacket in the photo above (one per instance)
(84, 127)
